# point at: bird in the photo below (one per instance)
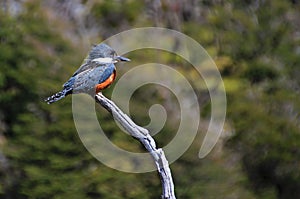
(96, 73)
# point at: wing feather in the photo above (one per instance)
(86, 80)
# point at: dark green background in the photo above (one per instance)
(256, 46)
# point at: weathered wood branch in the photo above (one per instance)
(144, 137)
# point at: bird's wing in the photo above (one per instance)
(87, 65)
(86, 80)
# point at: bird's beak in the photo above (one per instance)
(120, 58)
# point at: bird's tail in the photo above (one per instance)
(57, 96)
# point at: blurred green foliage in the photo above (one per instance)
(255, 45)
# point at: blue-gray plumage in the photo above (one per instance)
(95, 74)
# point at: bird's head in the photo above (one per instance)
(104, 54)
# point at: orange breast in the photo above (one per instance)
(106, 83)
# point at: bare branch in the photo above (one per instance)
(144, 137)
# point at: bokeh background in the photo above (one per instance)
(256, 46)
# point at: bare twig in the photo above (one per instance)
(144, 137)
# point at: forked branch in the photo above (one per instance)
(144, 137)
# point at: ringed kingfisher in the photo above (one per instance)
(95, 74)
